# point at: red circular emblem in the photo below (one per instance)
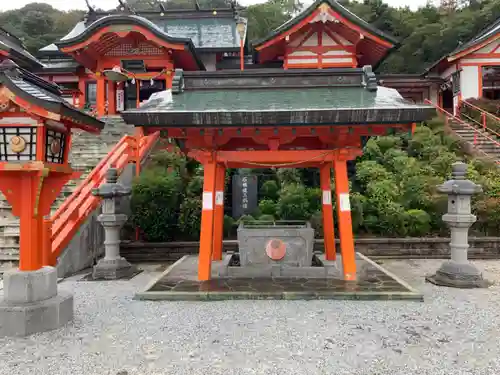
(276, 249)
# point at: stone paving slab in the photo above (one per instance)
(179, 283)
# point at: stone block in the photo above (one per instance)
(304, 272)
(22, 287)
(250, 271)
(27, 319)
(112, 269)
(298, 240)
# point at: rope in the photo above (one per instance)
(282, 164)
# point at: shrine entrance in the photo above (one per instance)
(265, 119)
(123, 54)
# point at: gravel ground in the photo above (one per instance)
(452, 332)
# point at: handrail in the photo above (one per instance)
(462, 122)
(76, 208)
(481, 110)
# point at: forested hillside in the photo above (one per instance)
(426, 34)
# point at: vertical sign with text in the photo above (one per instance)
(245, 200)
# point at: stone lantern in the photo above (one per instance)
(35, 142)
(112, 266)
(458, 271)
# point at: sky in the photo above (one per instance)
(108, 4)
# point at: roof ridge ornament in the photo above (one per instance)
(369, 78)
(124, 7)
(178, 82)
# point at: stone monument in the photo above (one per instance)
(459, 272)
(112, 266)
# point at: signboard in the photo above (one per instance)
(120, 100)
(245, 200)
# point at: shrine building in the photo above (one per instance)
(145, 47)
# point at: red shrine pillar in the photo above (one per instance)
(111, 98)
(101, 94)
(207, 219)
(328, 229)
(220, 179)
(31, 189)
(344, 220)
(82, 88)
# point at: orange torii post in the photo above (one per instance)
(207, 219)
(344, 220)
(220, 179)
(328, 230)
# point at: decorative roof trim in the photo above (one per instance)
(178, 82)
(10, 71)
(485, 37)
(115, 20)
(335, 6)
(369, 78)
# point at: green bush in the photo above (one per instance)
(293, 203)
(246, 219)
(267, 207)
(313, 196)
(154, 204)
(229, 226)
(190, 218)
(270, 190)
(266, 218)
(316, 221)
(289, 176)
(418, 223)
(488, 213)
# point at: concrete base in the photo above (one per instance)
(31, 303)
(459, 275)
(324, 269)
(113, 269)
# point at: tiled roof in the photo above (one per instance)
(16, 50)
(47, 95)
(205, 33)
(486, 33)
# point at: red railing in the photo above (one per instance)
(484, 116)
(477, 132)
(75, 210)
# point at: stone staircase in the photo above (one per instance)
(87, 150)
(483, 144)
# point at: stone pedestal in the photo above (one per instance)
(112, 266)
(32, 303)
(459, 275)
(459, 272)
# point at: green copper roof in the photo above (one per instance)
(280, 99)
(276, 98)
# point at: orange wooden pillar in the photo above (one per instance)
(344, 220)
(220, 179)
(207, 220)
(328, 229)
(111, 98)
(30, 190)
(82, 86)
(101, 95)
